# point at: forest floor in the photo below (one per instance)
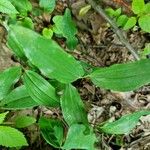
(99, 46)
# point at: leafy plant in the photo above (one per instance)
(10, 137)
(141, 16)
(64, 26)
(46, 75)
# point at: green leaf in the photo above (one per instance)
(18, 99)
(26, 22)
(14, 45)
(79, 138)
(40, 89)
(146, 50)
(84, 10)
(147, 8)
(130, 23)
(144, 23)
(125, 124)
(66, 27)
(121, 20)
(24, 121)
(7, 7)
(138, 6)
(10, 137)
(48, 56)
(48, 5)
(52, 131)
(2, 117)
(123, 77)
(23, 6)
(72, 106)
(110, 12)
(48, 33)
(113, 13)
(7, 79)
(117, 12)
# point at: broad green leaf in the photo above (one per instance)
(84, 10)
(3, 116)
(18, 99)
(125, 124)
(144, 23)
(121, 20)
(147, 8)
(7, 79)
(72, 106)
(7, 7)
(48, 5)
(14, 45)
(52, 131)
(24, 121)
(123, 77)
(79, 137)
(130, 23)
(65, 26)
(23, 6)
(40, 89)
(48, 33)
(10, 137)
(138, 6)
(48, 56)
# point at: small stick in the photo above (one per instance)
(118, 32)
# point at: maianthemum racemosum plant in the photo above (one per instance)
(45, 79)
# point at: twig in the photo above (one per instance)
(118, 32)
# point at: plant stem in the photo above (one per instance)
(118, 32)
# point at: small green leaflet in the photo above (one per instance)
(40, 89)
(18, 99)
(146, 51)
(23, 6)
(123, 77)
(79, 137)
(138, 6)
(7, 79)
(52, 131)
(47, 5)
(2, 117)
(72, 106)
(65, 26)
(47, 33)
(24, 121)
(144, 22)
(121, 20)
(113, 13)
(130, 23)
(84, 10)
(26, 22)
(10, 137)
(125, 124)
(47, 55)
(7, 7)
